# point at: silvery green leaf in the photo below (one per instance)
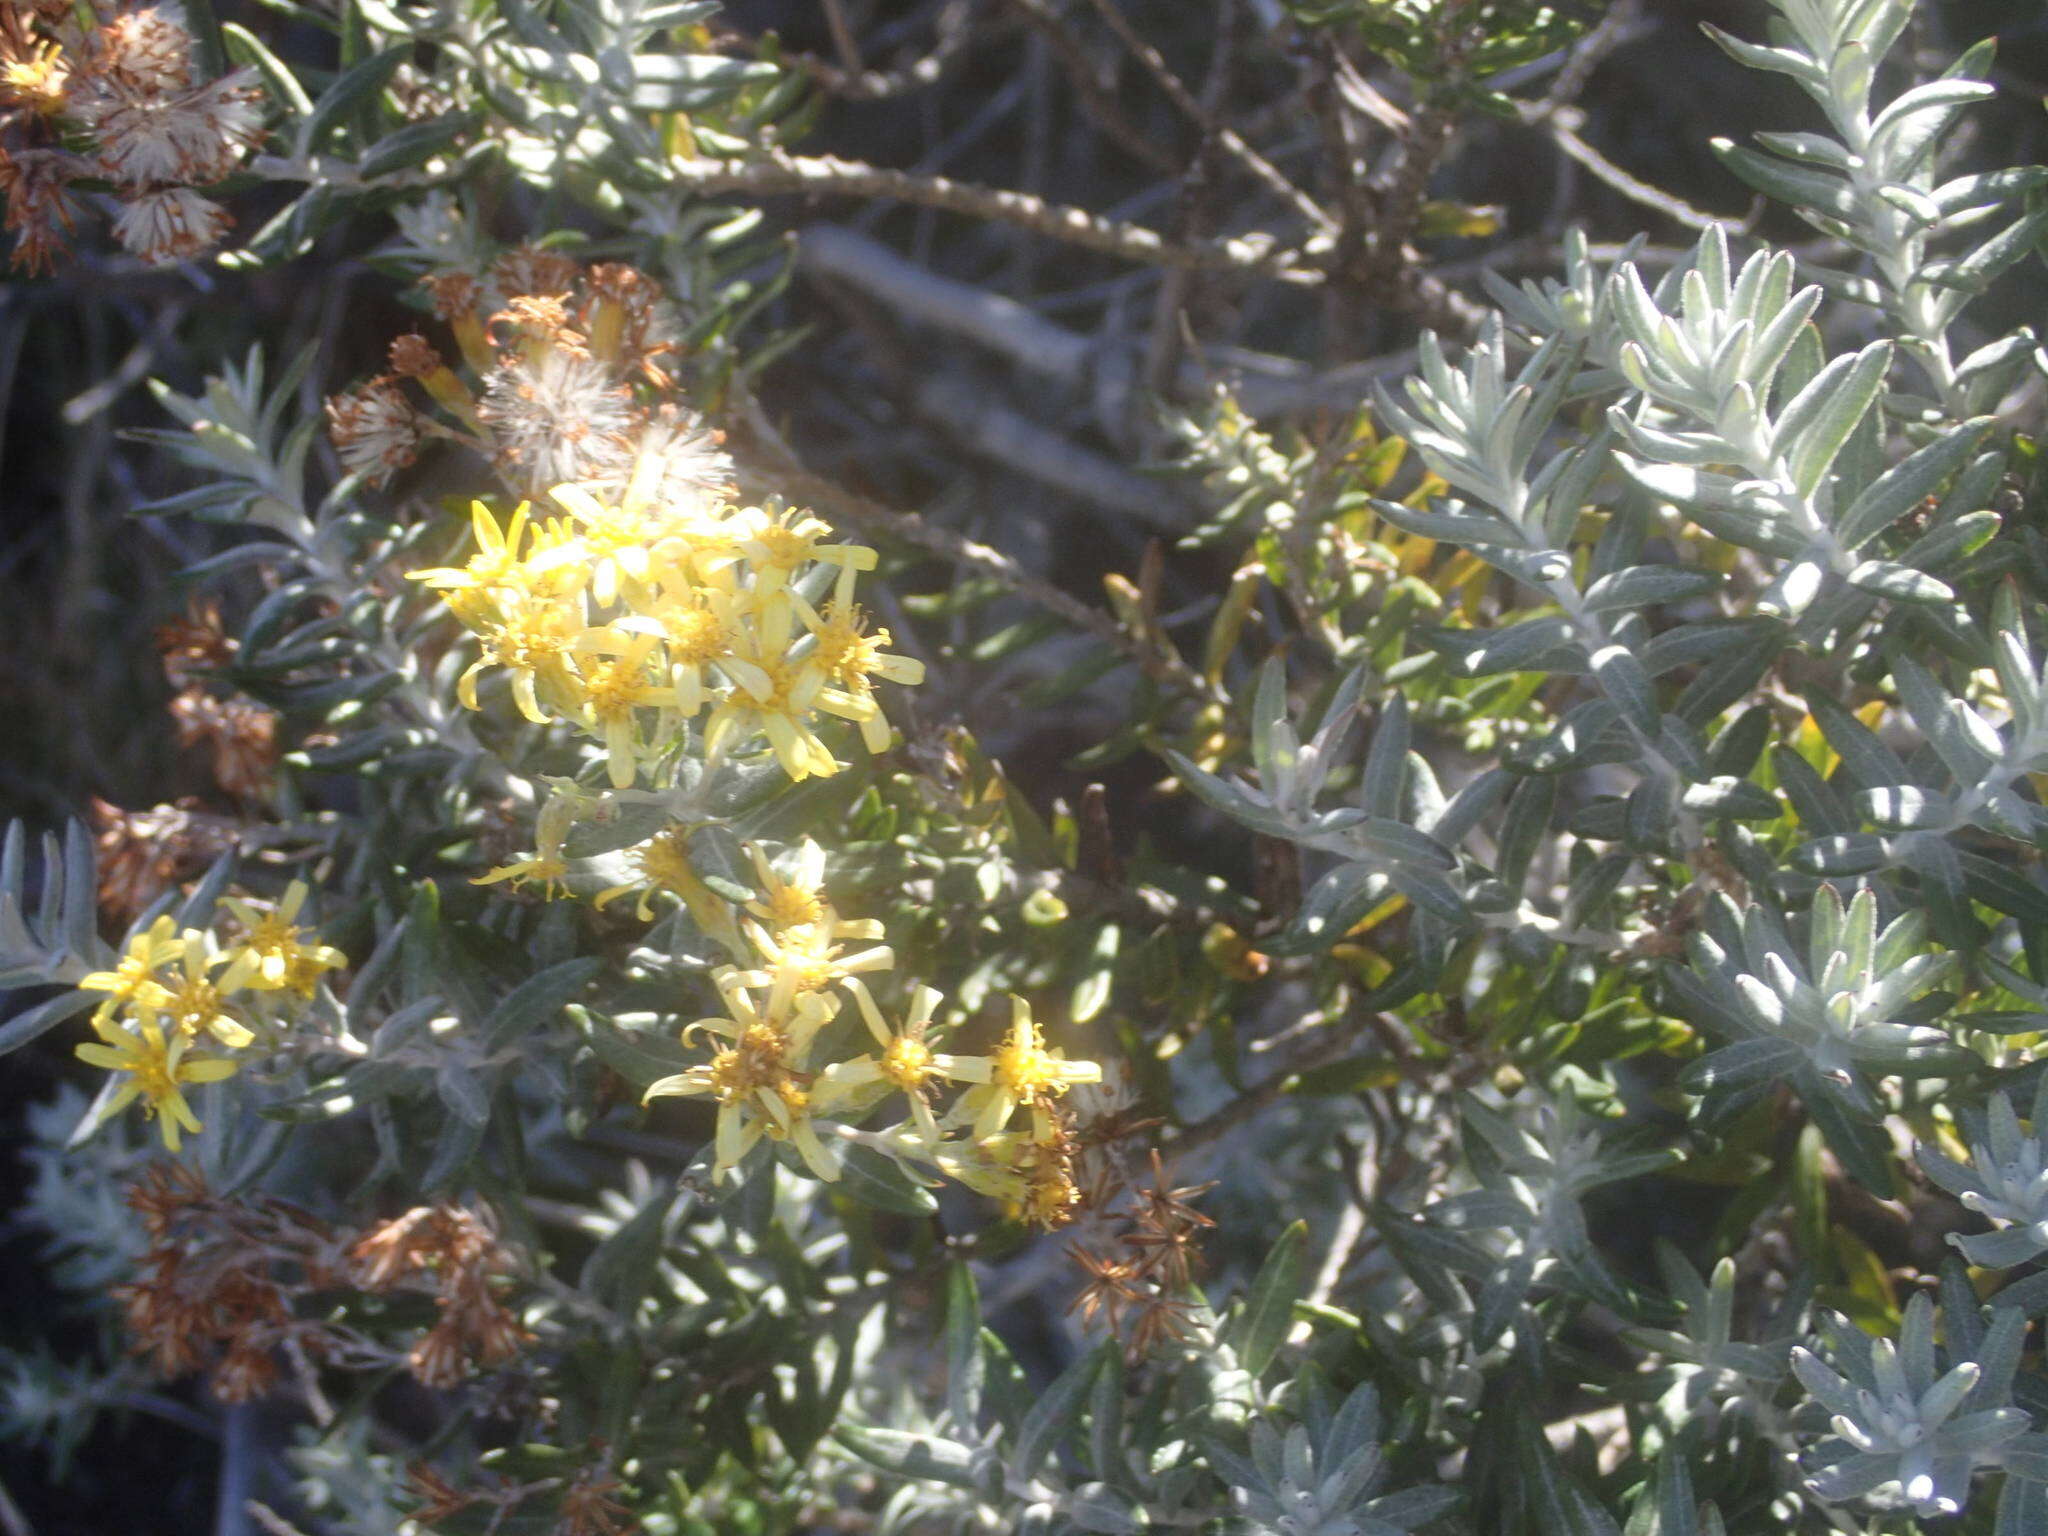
(34, 1023)
(1817, 422)
(1229, 799)
(1096, 1507)
(1271, 754)
(1799, 185)
(2023, 1501)
(1741, 1064)
(1808, 149)
(1531, 644)
(463, 1093)
(1401, 844)
(1446, 527)
(1335, 905)
(908, 1454)
(1904, 807)
(1781, 60)
(1526, 823)
(1643, 585)
(2004, 1249)
(1258, 1331)
(1431, 892)
(1901, 488)
(876, 1179)
(1948, 541)
(1866, 759)
(1053, 1415)
(538, 999)
(1386, 759)
(1466, 809)
(1106, 1414)
(1500, 1297)
(1900, 583)
(1793, 590)
(1726, 795)
(966, 1367)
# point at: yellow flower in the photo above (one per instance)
(157, 1069)
(775, 695)
(758, 1085)
(134, 979)
(547, 870)
(798, 900)
(1020, 1071)
(496, 562)
(532, 639)
(849, 657)
(906, 1063)
(192, 1002)
(698, 631)
(37, 78)
(274, 953)
(611, 549)
(615, 688)
(777, 544)
(664, 865)
(797, 965)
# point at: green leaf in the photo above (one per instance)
(927, 1457)
(355, 88)
(1257, 1332)
(966, 1370)
(1818, 420)
(413, 144)
(38, 1021)
(1906, 484)
(621, 1268)
(1335, 905)
(876, 1179)
(1056, 1411)
(538, 999)
(1091, 994)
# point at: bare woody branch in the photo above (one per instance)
(777, 172)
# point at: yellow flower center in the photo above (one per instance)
(794, 906)
(1023, 1066)
(272, 935)
(531, 639)
(665, 861)
(610, 686)
(615, 529)
(194, 1005)
(786, 548)
(695, 635)
(755, 1062)
(907, 1063)
(846, 653)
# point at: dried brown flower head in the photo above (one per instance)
(240, 734)
(374, 428)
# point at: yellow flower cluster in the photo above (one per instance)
(628, 619)
(799, 957)
(176, 999)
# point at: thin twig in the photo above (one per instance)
(842, 37)
(778, 172)
(1178, 93)
(953, 31)
(1327, 1045)
(1096, 100)
(1562, 126)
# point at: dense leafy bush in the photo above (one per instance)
(616, 1051)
